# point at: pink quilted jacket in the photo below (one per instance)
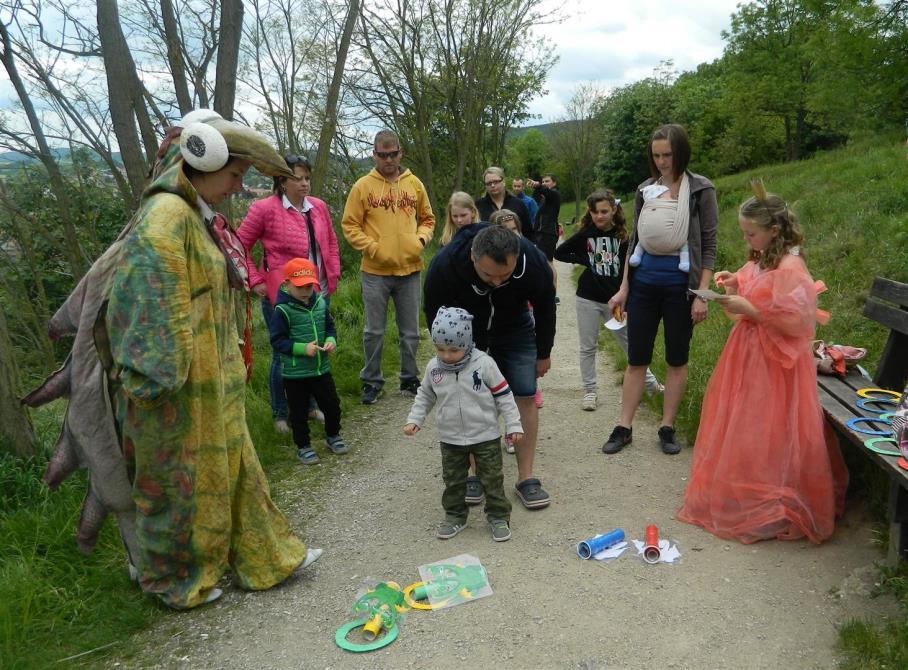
(284, 236)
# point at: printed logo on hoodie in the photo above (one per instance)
(405, 202)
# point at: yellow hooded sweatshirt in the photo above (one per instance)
(390, 222)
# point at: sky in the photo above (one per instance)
(612, 44)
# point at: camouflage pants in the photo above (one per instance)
(454, 466)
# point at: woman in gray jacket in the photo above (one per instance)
(677, 204)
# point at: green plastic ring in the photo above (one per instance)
(340, 638)
(871, 444)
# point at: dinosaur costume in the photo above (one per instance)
(156, 387)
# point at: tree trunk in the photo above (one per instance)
(320, 169)
(121, 71)
(16, 434)
(77, 261)
(228, 57)
(175, 57)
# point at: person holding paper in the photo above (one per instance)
(657, 289)
(765, 463)
(289, 224)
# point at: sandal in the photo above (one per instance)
(531, 494)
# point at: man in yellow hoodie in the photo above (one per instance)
(388, 217)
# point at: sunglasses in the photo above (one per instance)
(294, 159)
(493, 183)
(386, 155)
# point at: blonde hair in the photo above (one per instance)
(767, 210)
(498, 217)
(458, 199)
(497, 171)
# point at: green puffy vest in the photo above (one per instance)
(306, 324)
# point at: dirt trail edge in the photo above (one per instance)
(726, 605)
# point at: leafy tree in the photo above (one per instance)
(576, 141)
(628, 117)
(528, 155)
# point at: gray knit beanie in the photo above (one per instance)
(453, 327)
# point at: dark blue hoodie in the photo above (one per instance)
(452, 281)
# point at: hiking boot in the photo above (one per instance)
(409, 387)
(475, 495)
(281, 426)
(500, 530)
(307, 455)
(668, 442)
(370, 394)
(590, 401)
(618, 440)
(336, 444)
(448, 529)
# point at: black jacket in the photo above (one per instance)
(451, 281)
(549, 201)
(511, 202)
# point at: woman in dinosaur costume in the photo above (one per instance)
(173, 382)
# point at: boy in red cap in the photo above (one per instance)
(302, 330)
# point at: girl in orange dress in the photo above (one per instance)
(765, 465)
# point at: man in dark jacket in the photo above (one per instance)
(497, 197)
(546, 195)
(494, 274)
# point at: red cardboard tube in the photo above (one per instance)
(651, 551)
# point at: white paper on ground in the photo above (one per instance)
(669, 552)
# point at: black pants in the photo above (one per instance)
(298, 393)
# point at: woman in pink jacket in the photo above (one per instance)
(289, 224)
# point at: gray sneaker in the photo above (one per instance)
(370, 394)
(336, 444)
(500, 530)
(448, 529)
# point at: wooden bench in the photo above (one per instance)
(887, 305)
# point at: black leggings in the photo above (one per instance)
(647, 305)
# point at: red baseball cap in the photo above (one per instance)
(301, 272)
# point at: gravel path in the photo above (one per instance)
(726, 605)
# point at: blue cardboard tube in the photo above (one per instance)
(594, 545)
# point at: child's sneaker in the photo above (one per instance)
(317, 415)
(590, 401)
(281, 427)
(500, 530)
(448, 529)
(307, 455)
(336, 444)
(475, 495)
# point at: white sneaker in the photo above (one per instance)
(317, 415)
(281, 426)
(311, 557)
(590, 401)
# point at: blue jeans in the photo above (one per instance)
(279, 409)
(515, 355)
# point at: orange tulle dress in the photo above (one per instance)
(765, 463)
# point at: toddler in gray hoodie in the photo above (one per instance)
(469, 393)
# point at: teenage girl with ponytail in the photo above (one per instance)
(765, 465)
